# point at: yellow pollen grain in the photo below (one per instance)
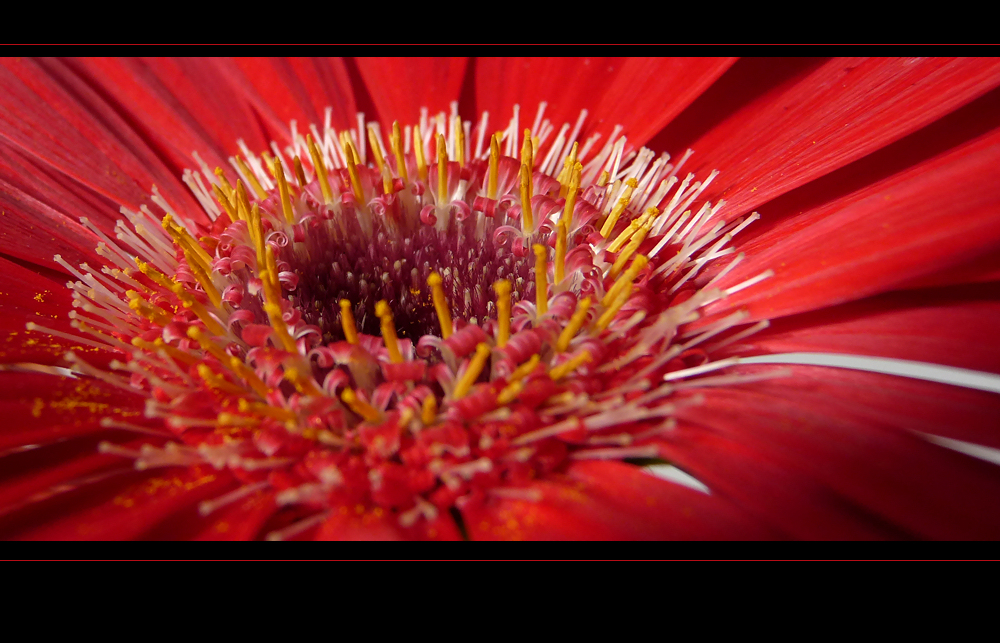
(320, 167)
(258, 189)
(527, 217)
(472, 372)
(625, 281)
(570, 365)
(286, 200)
(418, 150)
(195, 306)
(388, 331)
(347, 322)
(158, 277)
(560, 262)
(359, 406)
(442, 161)
(440, 304)
(541, 279)
(397, 147)
(616, 213)
(502, 288)
(153, 313)
(216, 381)
(574, 325)
(300, 174)
(494, 174)
(428, 410)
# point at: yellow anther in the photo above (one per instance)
(280, 329)
(258, 189)
(634, 243)
(525, 369)
(194, 306)
(217, 381)
(397, 148)
(257, 234)
(428, 410)
(224, 201)
(205, 341)
(286, 199)
(153, 313)
(278, 413)
(571, 193)
(527, 217)
(640, 262)
(440, 304)
(204, 279)
(442, 160)
(608, 315)
(527, 154)
(541, 279)
(491, 185)
(570, 365)
(472, 372)
(459, 142)
(560, 262)
(347, 322)
(418, 149)
(247, 375)
(376, 148)
(320, 167)
(566, 175)
(224, 184)
(359, 406)
(602, 180)
(183, 239)
(231, 419)
(268, 162)
(502, 288)
(616, 213)
(574, 325)
(300, 174)
(158, 277)
(388, 331)
(510, 392)
(304, 384)
(627, 233)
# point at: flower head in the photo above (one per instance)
(454, 327)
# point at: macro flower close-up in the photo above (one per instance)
(500, 298)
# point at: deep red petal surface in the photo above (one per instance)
(401, 86)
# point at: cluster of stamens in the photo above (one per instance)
(417, 328)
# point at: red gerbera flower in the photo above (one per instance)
(493, 327)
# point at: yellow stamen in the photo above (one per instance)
(570, 365)
(205, 341)
(273, 311)
(541, 279)
(359, 406)
(429, 409)
(347, 322)
(275, 412)
(566, 175)
(418, 149)
(153, 313)
(286, 200)
(254, 183)
(527, 154)
(510, 392)
(634, 244)
(627, 233)
(571, 193)
(491, 185)
(231, 419)
(204, 279)
(224, 184)
(502, 289)
(525, 369)
(376, 149)
(626, 279)
(182, 238)
(158, 277)
(472, 372)
(268, 162)
(320, 167)
(304, 384)
(442, 160)
(224, 201)
(247, 375)
(606, 318)
(352, 168)
(397, 147)
(560, 263)
(388, 332)
(217, 381)
(300, 174)
(459, 142)
(527, 217)
(194, 306)
(160, 345)
(616, 213)
(574, 325)
(602, 180)
(440, 304)
(257, 234)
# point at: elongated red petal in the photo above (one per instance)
(642, 94)
(401, 86)
(919, 221)
(843, 110)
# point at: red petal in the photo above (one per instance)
(799, 423)
(401, 86)
(840, 112)
(241, 521)
(610, 501)
(924, 219)
(642, 94)
(369, 524)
